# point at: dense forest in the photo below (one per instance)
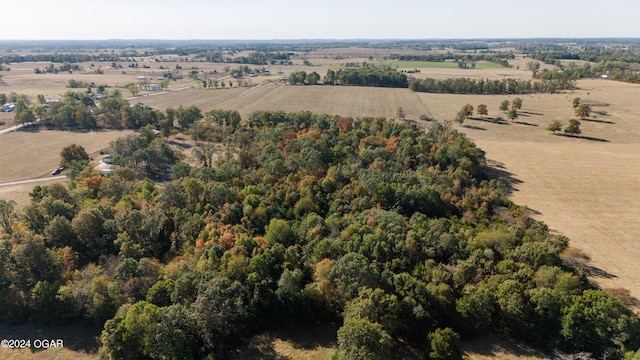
(392, 230)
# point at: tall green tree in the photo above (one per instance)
(467, 110)
(554, 126)
(583, 111)
(516, 103)
(134, 89)
(482, 110)
(134, 335)
(73, 154)
(444, 344)
(599, 323)
(576, 102)
(573, 128)
(534, 67)
(7, 215)
(362, 339)
(504, 106)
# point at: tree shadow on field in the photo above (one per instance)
(29, 129)
(180, 144)
(598, 121)
(525, 123)
(624, 295)
(496, 170)
(578, 259)
(498, 120)
(493, 346)
(298, 338)
(260, 347)
(78, 337)
(310, 336)
(473, 127)
(590, 138)
(531, 113)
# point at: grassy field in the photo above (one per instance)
(77, 341)
(436, 64)
(32, 154)
(583, 187)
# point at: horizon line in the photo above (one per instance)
(342, 39)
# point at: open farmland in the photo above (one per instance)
(583, 187)
(435, 64)
(554, 173)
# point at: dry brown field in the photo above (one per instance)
(587, 188)
(33, 154)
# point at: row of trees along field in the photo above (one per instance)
(77, 110)
(618, 63)
(386, 77)
(501, 58)
(486, 86)
(391, 230)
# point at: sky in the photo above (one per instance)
(321, 19)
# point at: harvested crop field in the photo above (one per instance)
(346, 101)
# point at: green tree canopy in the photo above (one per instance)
(573, 128)
(7, 215)
(73, 154)
(554, 126)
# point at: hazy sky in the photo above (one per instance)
(321, 19)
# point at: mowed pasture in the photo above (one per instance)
(33, 154)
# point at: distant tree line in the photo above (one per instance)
(386, 77)
(617, 62)
(487, 86)
(302, 77)
(367, 76)
(52, 69)
(615, 70)
(500, 58)
(255, 58)
(628, 54)
(58, 58)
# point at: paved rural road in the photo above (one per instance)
(33, 180)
